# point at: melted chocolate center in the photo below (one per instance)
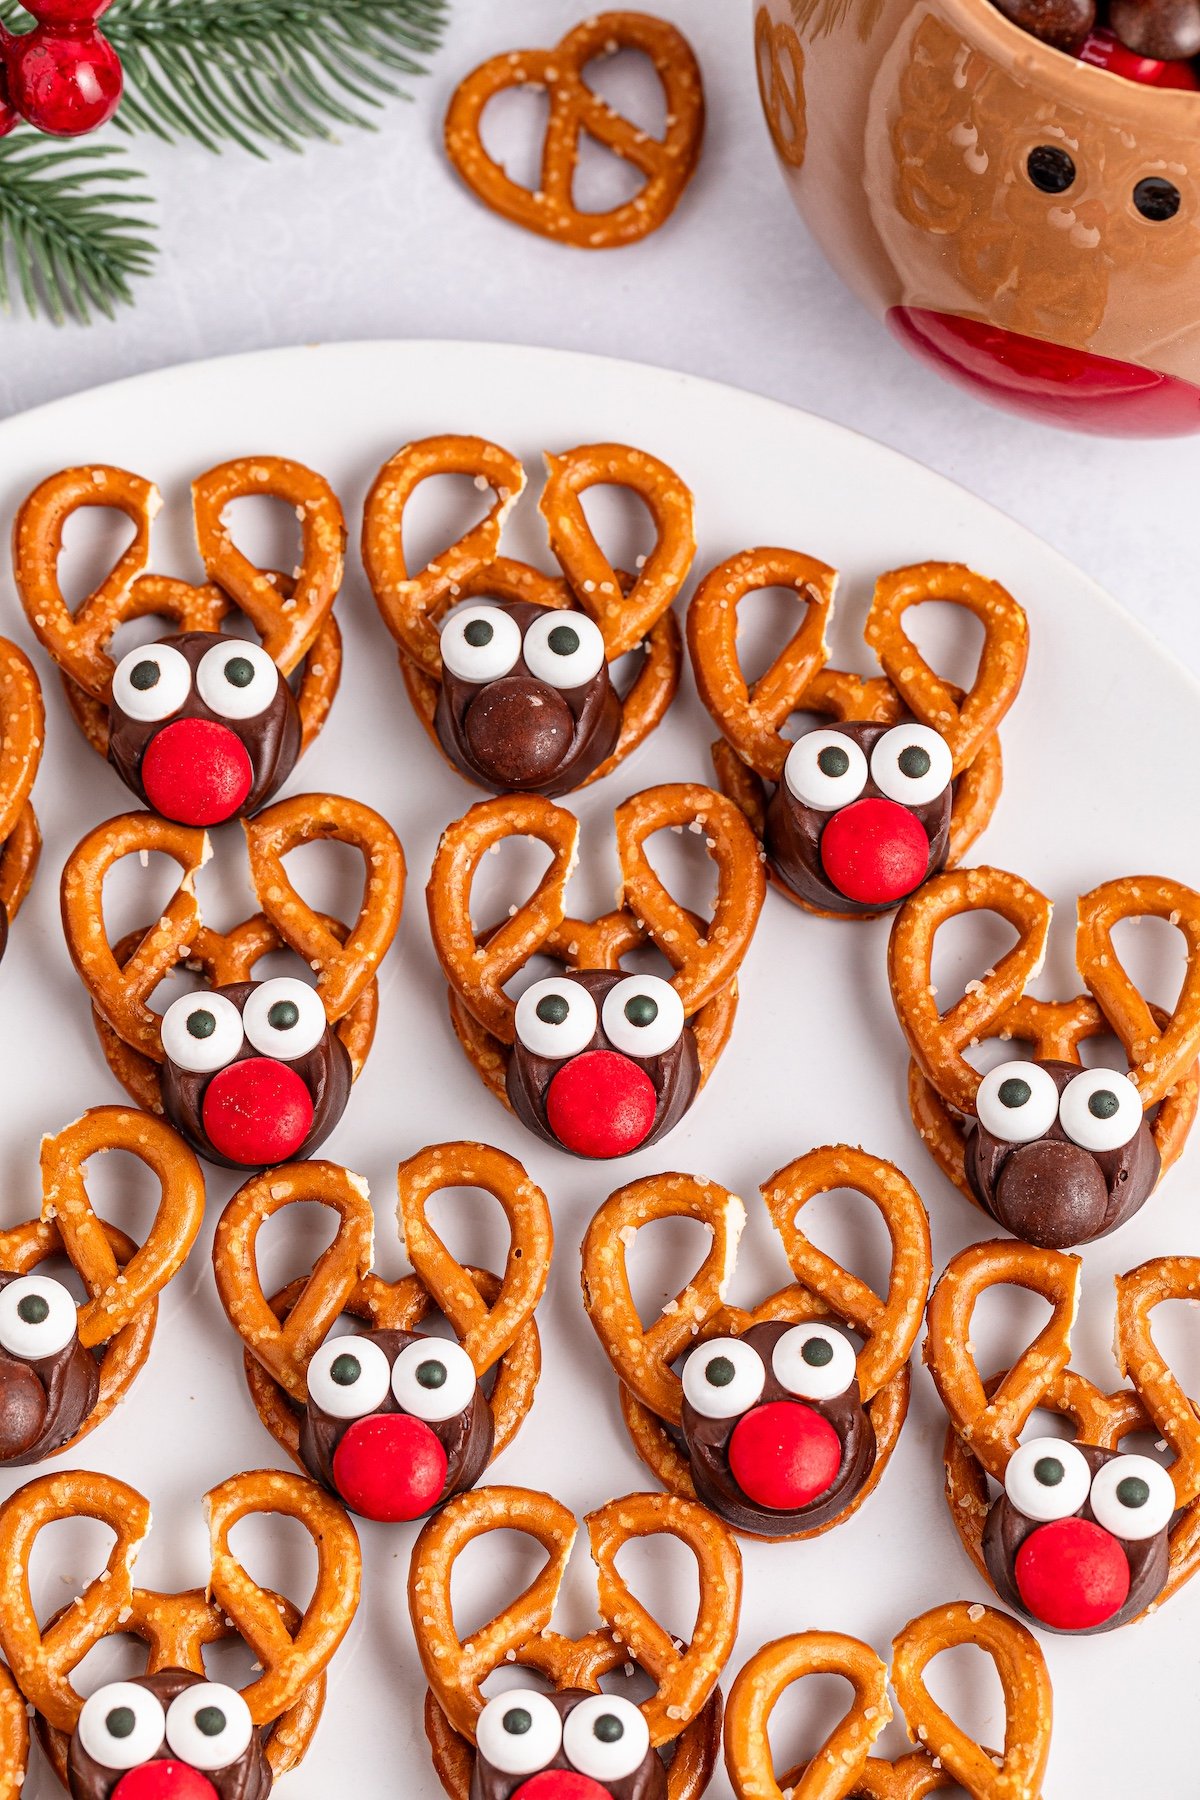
(44, 1401)
(249, 1778)
(648, 1781)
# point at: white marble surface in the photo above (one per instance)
(375, 238)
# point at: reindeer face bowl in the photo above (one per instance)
(1023, 221)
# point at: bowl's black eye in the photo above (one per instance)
(1156, 198)
(1050, 169)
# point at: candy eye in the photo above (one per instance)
(202, 1032)
(723, 1378)
(911, 764)
(1017, 1102)
(284, 1018)
(37, 1317)
(606, 1738)
(209, 1726)
(481, 643)
(434, 1380)
(565, 649)
(825, 770)
(519, 1732)
(814, 1362)
(121, 1725)
(1133, 1497)
(643, 1016)
(1047, 1478)
(349, 1377)
(1100, 1110)
(236, 680)
(152, 683)
(556, 1018)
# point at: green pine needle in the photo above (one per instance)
(68, 244)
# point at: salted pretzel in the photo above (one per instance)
(87, 1744)
(1061, 1504)
(779, 61)
(390, 1420)
(64, 1365)
(200, 725)
(471, 1738)
(526, 708)
(22, 736)
(858, 814)
(666, 164)
(252, 1073)
(718, 1400)
(946, 1756)
(1057, 1154)
(14, 1738)
(594, 1060)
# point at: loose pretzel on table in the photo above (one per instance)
(988, 1417)
(492, 1318)
(946, 1756)
(629, 610)
(292, 1649)
(22, 737)
(685, 1708)
(667, 164)
(753, 716)
(645, 1358)
(122, 1279)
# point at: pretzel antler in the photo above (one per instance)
(1160, 1055)
(22, 737)
(1141, 1361)
(837, 1768)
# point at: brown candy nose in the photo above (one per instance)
(22, 1408)
(519, 731)
(1052, 1194)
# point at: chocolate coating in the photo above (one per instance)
(271, 739)
(1063, 23)
(1007, 1528)
(326, 1072)
(794, 832)
(706, 1442)
(648, 1781)
(1168, 30)
(675, 1074)
(467, 1438)
(44, 1402)
(1051, 1192)
(521, 735)
(249, 1778)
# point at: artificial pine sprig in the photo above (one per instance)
(68, 240)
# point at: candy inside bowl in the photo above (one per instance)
(1025, 220)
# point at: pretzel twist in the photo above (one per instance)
(685, 1676)
(1158, 1056)
(14, 1737)
(22, 735)
(666, 163)
(1141, 1362)
(779, 61)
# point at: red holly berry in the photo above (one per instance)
(66, 12)
(601, 1104)
(257, 1112)
(875, 852)
(164, 1780)
(784, 1454)
(65, 80)
(9, 116)
(1072, 1575)
(196, 772)
(390, 1467)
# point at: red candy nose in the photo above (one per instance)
(257, 1112)
(784, 1454)
(196, 772)
(561, 1784)
(1072, 1574)
(875, 852)
(390, 1467)
(1105, 51)
(164, 1781)
(601, 1104)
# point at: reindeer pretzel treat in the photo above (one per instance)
(172, 1731)
(518, 697)
(391, 1420)
(843, 1768)
(63, 1366)
(857, 814)
(1056, 1153)
(594, 1060)
(201, 725)
(772, 1418)
(666, 164)
(605, 1747)
(1081, 1536)
(22, 735)
(251, 1072)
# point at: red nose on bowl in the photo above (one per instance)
(1072, 1575)
(601, 1104)
(257, 1112)
(784, 1454)
(390, 1467)
(165, 1780)
(875, 852)
(1050, 381)
(196, 772)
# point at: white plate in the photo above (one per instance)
(1098, 752)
